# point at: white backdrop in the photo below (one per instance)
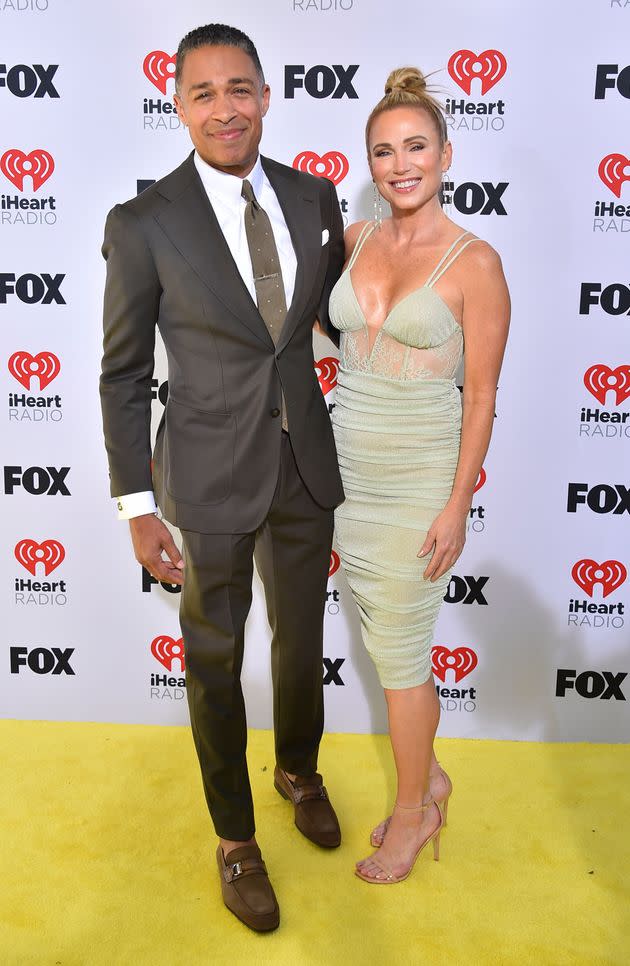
(534, 643)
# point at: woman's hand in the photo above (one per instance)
(446, 536)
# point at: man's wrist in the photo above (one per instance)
(135, 504)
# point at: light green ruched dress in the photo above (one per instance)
(397, 423)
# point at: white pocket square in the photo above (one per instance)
(325, 236)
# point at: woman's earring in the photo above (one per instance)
(446, 191)
(378, 206)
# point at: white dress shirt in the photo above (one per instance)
(224, 193)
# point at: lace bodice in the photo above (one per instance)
(419, 339)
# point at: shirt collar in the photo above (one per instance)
(227, 187)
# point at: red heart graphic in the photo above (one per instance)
(51, 553)
(462, 660)
(332, 165)
(610, 574)
(166, 650)
(334, 563)
(481, 480)
(327, 370)
(599, 379)
(45, 365)
(489, 66)
(614, 169)
(155, 67)
(16, 165)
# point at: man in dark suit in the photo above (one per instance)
(233, 257)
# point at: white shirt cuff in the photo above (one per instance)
(135, 504)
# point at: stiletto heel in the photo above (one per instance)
(389, 877)
(436, 846)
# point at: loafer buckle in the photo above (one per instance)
(232, 871)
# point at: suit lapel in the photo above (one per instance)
(301, 212)
(192, 226)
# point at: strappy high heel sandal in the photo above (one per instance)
(440, 798)
(389, 878)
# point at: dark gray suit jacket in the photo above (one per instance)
(216, 457)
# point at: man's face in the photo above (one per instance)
(223, 102)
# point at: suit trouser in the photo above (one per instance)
(292, 552)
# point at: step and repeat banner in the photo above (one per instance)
(533, 638)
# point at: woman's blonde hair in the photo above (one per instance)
(407, 87)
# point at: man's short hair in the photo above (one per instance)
(216, 35)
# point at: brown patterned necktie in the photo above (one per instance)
(268, 282)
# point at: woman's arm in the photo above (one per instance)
(485, 323)
(350, 239)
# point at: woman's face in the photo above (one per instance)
(406, 158)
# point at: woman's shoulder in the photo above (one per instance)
(480, 256)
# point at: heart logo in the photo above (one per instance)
(599, 379)
(332, 165)
(480, 480)
(156, 68)
(613, 170)
(16, 165)
(166, 650)
(489, 66)
(50, 553)
(334, 563)
(610, 574)
(45, 365)
(327, 370)
(462, 660)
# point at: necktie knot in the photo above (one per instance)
(247, 193)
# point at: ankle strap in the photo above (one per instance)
(414, 808)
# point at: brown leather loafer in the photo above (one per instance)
(247, 891)
(314, 815)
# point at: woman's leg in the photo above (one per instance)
(413, 719)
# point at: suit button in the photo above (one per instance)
(275, 412)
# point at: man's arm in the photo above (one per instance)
(335, 260)
(130, 313)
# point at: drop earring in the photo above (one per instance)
(447, 194)
(378, 206)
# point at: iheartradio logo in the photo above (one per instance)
(461, 660)
(600, 379)
(332, 165)
(167, 649)
(159, 68)
(334, 563)
(613, 170)
(611, 574)
(50, 553)
(16, 165)
(489, 66)
(483, 476)
(327, 370)
(23, 367)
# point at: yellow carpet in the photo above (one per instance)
(107, 856)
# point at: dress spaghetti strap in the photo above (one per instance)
(448, 251)
(442, 267)
(363, 235)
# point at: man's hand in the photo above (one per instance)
(150, 537)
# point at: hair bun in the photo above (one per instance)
(407, 87)
(408, 80)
